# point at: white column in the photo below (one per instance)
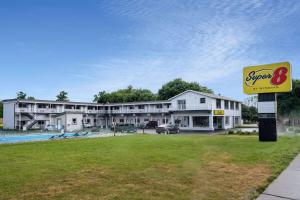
(211, 122)
(190, 121)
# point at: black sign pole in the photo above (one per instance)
(267, 117)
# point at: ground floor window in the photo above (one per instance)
(182, 121)
(236, 121)
(201, 121)
(227, 120)
(165, 121)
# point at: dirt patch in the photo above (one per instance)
(222, 179)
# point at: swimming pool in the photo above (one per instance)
(29, 137)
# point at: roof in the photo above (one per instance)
(206, 94)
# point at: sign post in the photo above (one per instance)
(266, 81)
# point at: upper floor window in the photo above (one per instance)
(22, 105)
(231, 105)
(41, 105)
(131, 107)
(181, 104)
(202, 100)
(90, 107)
(237, 107)
(159, 106)
(218, 103)
(226, 104)
(141, 107)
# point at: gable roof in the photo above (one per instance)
(205, 94)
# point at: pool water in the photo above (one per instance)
(29, 137)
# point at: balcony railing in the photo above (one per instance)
(151, 110)
(191, 107)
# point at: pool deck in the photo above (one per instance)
(287, 184)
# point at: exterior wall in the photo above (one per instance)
(9, 115)
(193, 101)
(70, 126)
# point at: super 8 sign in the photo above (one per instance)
(269, 78)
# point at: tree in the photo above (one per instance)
(289, 103)
(178, 86)
(249, 114)
(21, 95)
(129, 94)
(62, 96)
(30, 98)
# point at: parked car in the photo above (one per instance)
(151, 124)
(167, 128)
(49, 127)
(124, 128)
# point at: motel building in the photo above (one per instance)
(190, 110)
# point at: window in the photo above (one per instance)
(236, 121)
(22, 105)
(146, 120)
(181, 104)
(159, 106)
(218, 103)
(182, 121)
(202, 121)
(74, 121)
(138, 120)
(141, 107)
(69, 107)
(226, 104)
(237, 107)
(227, 120)
(231, 105)
(41, 105)
(131, 107)
(121, 120)
(41, 122)
(88, 121)
(165, 121)
(202, 100)
(95, 121)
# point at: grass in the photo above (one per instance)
(143, 167)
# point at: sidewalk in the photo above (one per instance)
(287, 184)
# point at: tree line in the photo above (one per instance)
(167, 91)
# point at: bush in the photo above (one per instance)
(231, 132)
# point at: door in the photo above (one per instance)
(218, 122)
(59, 123)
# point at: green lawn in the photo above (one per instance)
(143, 167)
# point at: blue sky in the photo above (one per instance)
(87, 46)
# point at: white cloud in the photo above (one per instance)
(204, 41)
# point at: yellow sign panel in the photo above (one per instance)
(270, 78)
(218, 112)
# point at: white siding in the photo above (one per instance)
(9, 115)
(69, 124)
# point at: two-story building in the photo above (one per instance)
(190, 110)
